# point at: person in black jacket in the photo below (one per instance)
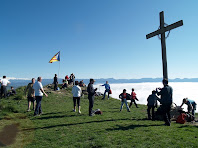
(91, 92)
(124, 96)
(55, 82)
(166, 100)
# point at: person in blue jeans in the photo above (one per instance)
(191, 105)
(123, 96)
(39, 91)
(107, 89)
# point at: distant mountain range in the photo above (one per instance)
(22, 82)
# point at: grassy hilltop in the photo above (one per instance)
(60, 127)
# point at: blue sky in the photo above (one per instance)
(97, 38)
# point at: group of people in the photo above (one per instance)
(4, 92)
(35, 93)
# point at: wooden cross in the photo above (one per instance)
(162, 31)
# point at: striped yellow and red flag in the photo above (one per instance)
(55, 58)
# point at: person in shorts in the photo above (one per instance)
(30, 95)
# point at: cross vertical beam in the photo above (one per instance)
(161, 31)
(163, 46)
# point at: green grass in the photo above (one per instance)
(60, 127)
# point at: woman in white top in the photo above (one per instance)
(76, 91)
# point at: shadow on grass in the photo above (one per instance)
(129, 127)
(61, 125)
(56, 116)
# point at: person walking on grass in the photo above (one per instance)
(166, 100)
(91, 92)
(123, 96)
(107, 89)
(39, 91)
(30, 95)
(133, 98)
(76, 91)
(4, 84)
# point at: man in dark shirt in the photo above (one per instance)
(55, 82)
(91, 92)
(166, 100)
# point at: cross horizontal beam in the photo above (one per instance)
(163, 30)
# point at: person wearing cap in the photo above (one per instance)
(191, 105)
(4, 84)
(166, 100)
(91, 92)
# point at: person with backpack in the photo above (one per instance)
(133, 98)
(152, 103)
(124, 96)
(191, 105)
(107, 89)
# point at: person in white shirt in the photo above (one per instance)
(76, 91)
(4, 84)
(38, 88)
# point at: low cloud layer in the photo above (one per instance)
(143, 90)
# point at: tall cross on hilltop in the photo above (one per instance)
(161, 31)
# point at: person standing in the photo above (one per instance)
(55, 82)
(31, 94)
(166, 100)
(152, 103)
(191, 105)
(91, 92)
(4, 84)
(123, 96)
(76, 91)
(38, 88)
(107, 89)
(133, 98)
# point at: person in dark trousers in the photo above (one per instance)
(4, 84)
(91, 92)
(55, 82)
(133, 98)
(76, 91)
(152, 103)
(166, 100)
(38, 88)
(191, 105)
(107, 89)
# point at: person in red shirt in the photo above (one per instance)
(133, 98)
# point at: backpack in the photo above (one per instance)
(182, 118)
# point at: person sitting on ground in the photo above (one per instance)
(82, 84)
(191, 105)
(64, 83)
(31, 95)
(123, 96)
(152, 103)
(12, 92)
(76, 91)
(133, 98)
(107, 89)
